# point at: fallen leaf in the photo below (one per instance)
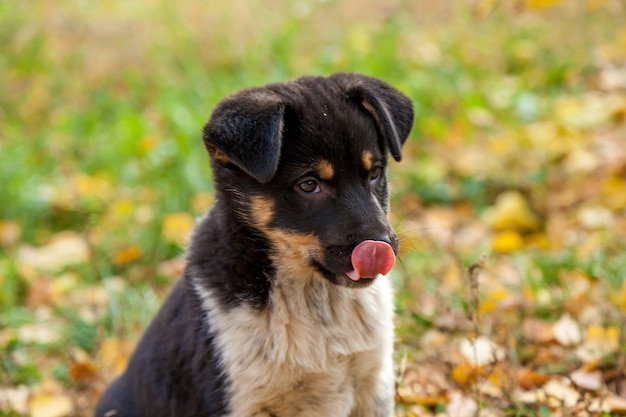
(461, 405)
(10, 233)
(50, 405)
(587, 380)
(113, 355)
(48, 400)
(177, 228)
(83, 371)
(614, 404)
(529, 379)
(507, 241)
(538, 331)
(66, 248)
(43, 332)
(511, 212)
(201, 202)
(93, 187)
(596, 217)
(172, 268)
(481, 351)
(14, 398)
(406, 395)
(464, 373)
(127, 255)
(561, 393)
(599, 342)
(566, 331)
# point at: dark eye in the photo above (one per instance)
(309, 187)
(375, 173)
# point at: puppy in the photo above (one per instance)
(284, 309)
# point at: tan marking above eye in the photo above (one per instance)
(325, 170)
(219, 156)
(368, 160)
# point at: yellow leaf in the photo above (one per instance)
(147, 144)
(511, 212)
(464, 374)
(493, 300)
(507, 242)
(127, 255)
(48, 401)
(10, 232)
(599, 341)
(50, 405)
(177, 228)
(92, 187)
(113, 355)
(201, 202)
(596, 4)
(541, 4)
(614, 193)
(620, 298)
(537, 240)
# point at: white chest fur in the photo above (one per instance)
(316, 351)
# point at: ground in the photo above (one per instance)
(510, 200)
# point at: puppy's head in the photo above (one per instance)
(304, 164)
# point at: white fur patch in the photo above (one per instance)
(319, 350)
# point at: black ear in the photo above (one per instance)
(392, 111)
(245, 129)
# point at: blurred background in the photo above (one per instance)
(510, 201)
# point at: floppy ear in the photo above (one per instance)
(392, 111)
(245, 130)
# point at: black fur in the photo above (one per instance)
(264, 144)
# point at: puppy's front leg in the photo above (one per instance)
(375, 393)
(380, 404)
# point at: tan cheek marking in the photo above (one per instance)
(325, 170)
(368, 160)
(293, 251)
(262, 211)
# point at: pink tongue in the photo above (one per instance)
(370, 258)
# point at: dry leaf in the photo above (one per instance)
(15, 399)
(66, 248)
(10, 233)
(42, 332)
(113, 355)
(538, 331)
(83, 371)
(172, 268)
(507, 241)
(599, 342)
(614, 404)
(566, 331)
(201, 202)
(587, 380)
(50, 405)
(560, 393)
(127, 255)
(529, 379)
(481, 351)
(177, 228)
(461, 405)
(511, 212)
(48, 400)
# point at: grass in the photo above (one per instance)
(101, 110)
